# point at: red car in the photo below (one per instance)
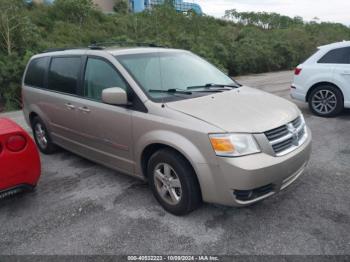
(19, 159)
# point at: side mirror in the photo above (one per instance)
(114, 96)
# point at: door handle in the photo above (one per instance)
(84, 109)
(346, 72)
(70, 106)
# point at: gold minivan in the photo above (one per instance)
(169, 117)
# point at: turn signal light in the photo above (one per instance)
(16, 143)
(222, 144)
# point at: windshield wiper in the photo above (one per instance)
(212, 86)
(171, 91)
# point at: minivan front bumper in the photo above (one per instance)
(245, 180)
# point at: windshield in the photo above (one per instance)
(172, 71)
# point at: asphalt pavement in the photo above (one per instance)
(83, 208)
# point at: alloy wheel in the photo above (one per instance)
(167, 184)
(40, 135)
(324, 102)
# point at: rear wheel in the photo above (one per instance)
(173, 182)
(42, 137)
(326, 101)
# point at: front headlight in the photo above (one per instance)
(233, 145)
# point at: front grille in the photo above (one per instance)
(297, 122)
(276, 133)
(302, 132)
(280, 147)
(285, 139)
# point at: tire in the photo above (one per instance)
(188, 196)
(48, 148)
(326, 101)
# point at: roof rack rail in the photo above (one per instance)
(62, 49)
(103, 45)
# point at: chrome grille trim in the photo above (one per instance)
(287, 138)
(276, 133)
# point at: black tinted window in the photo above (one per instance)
(36, 72)
(337, 56)
(100, 75)
(64, 74)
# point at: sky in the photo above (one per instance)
(325, 10)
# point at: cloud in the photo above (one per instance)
(334, 11)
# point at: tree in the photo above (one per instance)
(169, 3)
(75, 11)
(263, 19)
(121, 6)
(12, 21)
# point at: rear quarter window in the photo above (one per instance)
(336, 56)
(36, 72)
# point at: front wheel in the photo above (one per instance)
(173, 182)
(326, 101)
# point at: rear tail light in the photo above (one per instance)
(16, 143)
(297, 71)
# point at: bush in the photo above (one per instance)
(74, 11)
(11, 71)
(249, 43)
(121, 6)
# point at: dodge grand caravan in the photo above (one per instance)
(169, 117)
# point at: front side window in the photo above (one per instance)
(36, 72)
(336, 56)
(64, 74)
(171, 70)
(100, 75)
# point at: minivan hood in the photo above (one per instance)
(245, 110)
